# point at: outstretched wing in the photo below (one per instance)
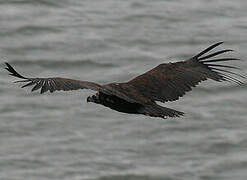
(52, 84)
(169, 81)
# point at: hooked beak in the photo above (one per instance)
(89, 99)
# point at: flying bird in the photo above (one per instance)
(166, 82)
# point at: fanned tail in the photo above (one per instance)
(155, 110)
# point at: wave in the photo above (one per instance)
(60, 64)
(30, 30)
(133, 177)
(36, 2)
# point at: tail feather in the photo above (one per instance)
(155, 110)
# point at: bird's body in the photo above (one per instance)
(165, 82)
(116, 103)
(121, 105)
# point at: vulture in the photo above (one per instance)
(166, 82)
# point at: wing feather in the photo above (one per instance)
(52, 84)
(166, 82)
(169, 81)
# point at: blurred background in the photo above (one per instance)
(59, 136)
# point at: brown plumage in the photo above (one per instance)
(166, 82)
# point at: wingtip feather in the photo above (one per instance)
(207, 50)
(13, 72)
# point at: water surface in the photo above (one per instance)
(59, 136)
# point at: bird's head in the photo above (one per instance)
(94, 98)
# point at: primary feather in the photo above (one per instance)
(52, 84)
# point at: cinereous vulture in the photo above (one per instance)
(165, 82)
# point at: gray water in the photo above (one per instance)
(59, 136)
